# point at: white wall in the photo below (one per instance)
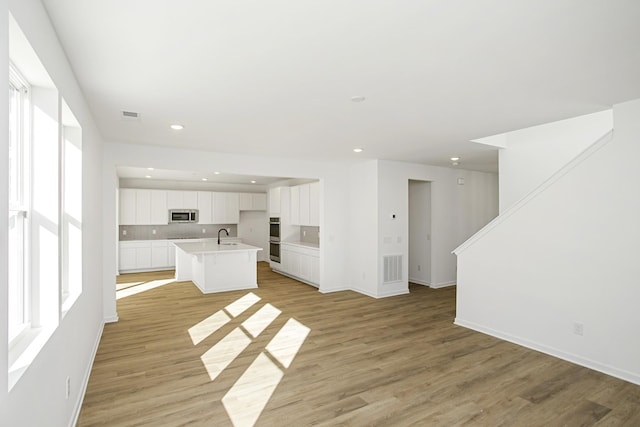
(457, 211)
(253, 228)
(420, 232)
(334, 228)
(39, 396)
(570, 254)
(534, 154)
(362, 215)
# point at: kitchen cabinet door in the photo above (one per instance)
(232, 208)
(305, 267)
(205, 207)
(159, 210)
(127, 206)
(245, 202)
(189, 200)
(295, 205)
(259, 201)
(127, 258)
(304, 204)
(174, 199)
(143, 257)
(274, 202)
(314, 204)
(143, 207)
(159, 254)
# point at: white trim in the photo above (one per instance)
(111, 319)
(583, 156)
(570, 357)
(418, 282)
(382, 295)
(78, 405)
(328, 291)
(442, 285)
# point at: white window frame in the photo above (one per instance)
(19, 211)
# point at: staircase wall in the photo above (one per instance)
(566, 259)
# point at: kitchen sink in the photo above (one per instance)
(228, 243)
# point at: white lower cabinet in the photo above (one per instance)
(141, 255)
(300, 262)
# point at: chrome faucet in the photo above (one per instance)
(222, 229)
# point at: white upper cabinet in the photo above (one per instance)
(143, 207)
(274, 201)
(205, 207)
(190, 200)
(305, 204)
(295, 205)
(314, 204)
(252, 201)
(159, 210)
(177, 199)
(226, 209)
(127, 206)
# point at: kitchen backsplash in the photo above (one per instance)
(177, 230)
(310, 234)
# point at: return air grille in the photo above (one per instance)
(130, 115)
(392, 268)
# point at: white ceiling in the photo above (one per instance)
(277, 77)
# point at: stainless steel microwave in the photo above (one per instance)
(183, 215)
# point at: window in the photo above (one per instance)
(18, 296)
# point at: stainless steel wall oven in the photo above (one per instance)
(274, 239)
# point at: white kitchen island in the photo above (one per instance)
(217, 267)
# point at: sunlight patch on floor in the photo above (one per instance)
(239, 306)
(287, 342)
(261, 320)
(134, 290)
(218, 357)
(247, 398)
(208, 326)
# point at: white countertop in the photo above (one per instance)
(211, 246)
(302, 244)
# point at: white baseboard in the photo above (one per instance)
(381, 295)
(442, 285)
(78, 405)
(111, 319)
(432, 286)
(328, 291)
(418, 281)
(569, 357)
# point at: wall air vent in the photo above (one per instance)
(392, 271)
(130, 115)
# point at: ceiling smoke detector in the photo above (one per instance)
(130, 115)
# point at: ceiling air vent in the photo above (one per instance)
(130, 115)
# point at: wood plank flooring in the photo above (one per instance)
(397, 361)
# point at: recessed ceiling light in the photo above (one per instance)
(252, 181)
(455, 159)
(147, 176)
(216, 173)
(357, 98)
(358, 150)
(205, 179)
(177, 127)
(150, 169)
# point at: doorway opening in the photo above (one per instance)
(420, 232)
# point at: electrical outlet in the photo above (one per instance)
(204, 230)
(228, 230)
(304, 233)
(68, 388)
(153, 231)
(124, 232)
(578, 328)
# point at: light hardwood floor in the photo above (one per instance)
(390, 362)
